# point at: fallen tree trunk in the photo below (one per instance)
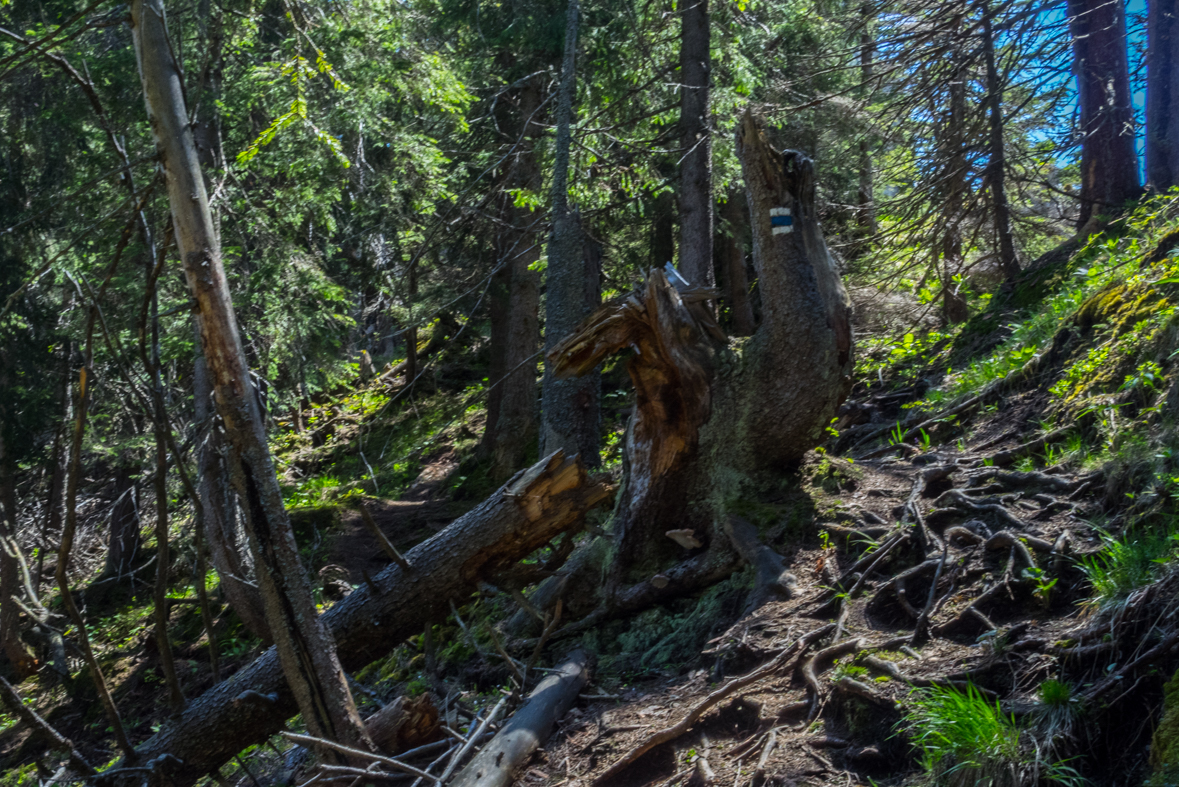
(497, 763)
(535, 506)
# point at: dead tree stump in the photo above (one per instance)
(709, 416)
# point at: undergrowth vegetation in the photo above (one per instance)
(965, 740)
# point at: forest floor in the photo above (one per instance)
(997, 531)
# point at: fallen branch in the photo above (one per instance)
(526, 513)
(736, 684)
(496, 765)
(359, 754)
(461, 754)
(56, 740)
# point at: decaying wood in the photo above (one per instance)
(497, 763)
(534, 507)
(405, 723)
(701, 412)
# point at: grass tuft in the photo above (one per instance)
(964, 739)
(1126, 564)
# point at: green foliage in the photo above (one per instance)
(1059, 710)
(1128, 563)
(1164, 745)
(963, 739)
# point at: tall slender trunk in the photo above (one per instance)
(515, 425)
(570, 407)
(949, 245)
(696, 140)
(1109, 165)
(10, 639)
(997, 163)
(305, 648)
(149, 351)
(218, 507)
(865, 197)
(70, 527)
(411, 333)
(662, 242)
(51, 525)
(736, 279)
(1162, 95)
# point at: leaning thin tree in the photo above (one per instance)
(305, 647)
(710, 418)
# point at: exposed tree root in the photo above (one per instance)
(736, 684)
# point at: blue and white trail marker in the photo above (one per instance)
(781, 221)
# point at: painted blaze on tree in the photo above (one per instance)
(708, 417)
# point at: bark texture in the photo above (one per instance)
(704, 418)
(530, 510)
(1109, 165)
(997, 165)
(736, 279)
(696, 141)
(516, 328)
(1162, 95)
(228, 554)
(305, 648)
(570, 407)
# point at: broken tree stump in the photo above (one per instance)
(535, 506)
(709, 418)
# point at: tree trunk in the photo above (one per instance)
(570, 407)
(949, 245)
(696, 141)
(10, 640)
(411, 333)
(529, 511)
(515, 424)
(997, 166)
(219, 508)
(1162, 95)
(1109, 165)
(149, 337)
(736, 279)
(305, 648)
(122, 551)
(865, 196)
(662, 242)
(694, 439)
(51, 526)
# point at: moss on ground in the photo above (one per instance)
(1164, 745)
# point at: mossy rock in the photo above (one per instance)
(1164, 746)
(1120, 306)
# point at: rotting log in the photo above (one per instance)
(535, 506)
(709, 418)
(497, 763)
(405, 723)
